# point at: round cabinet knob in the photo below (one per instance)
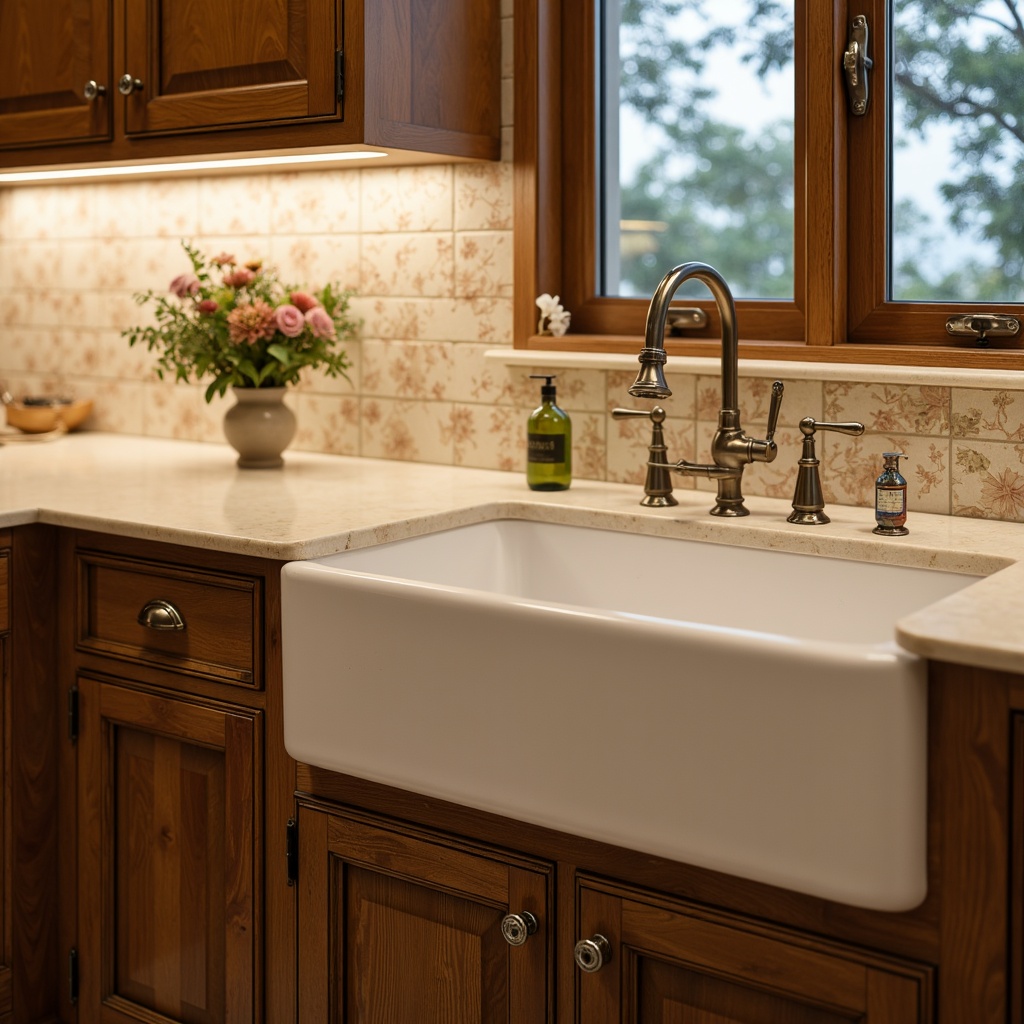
(129, 84)
(517, 928)
(93, 90)
(160, 614)
(592, 954)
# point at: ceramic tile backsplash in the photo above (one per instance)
(429, 253)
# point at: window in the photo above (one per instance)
(849, 238)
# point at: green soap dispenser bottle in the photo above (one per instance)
(548, 442)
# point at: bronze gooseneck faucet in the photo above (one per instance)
(731, 449)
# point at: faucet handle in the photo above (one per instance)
(808, 425)
(775, 408)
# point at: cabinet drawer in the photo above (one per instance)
(200, 622)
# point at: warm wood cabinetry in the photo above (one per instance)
(113, 80)
(183, 789)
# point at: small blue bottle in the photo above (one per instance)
(891, 498)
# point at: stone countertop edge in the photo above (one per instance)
(192, 494)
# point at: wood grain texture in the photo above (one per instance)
(168, 856)
(397, 924)
(1017, 877)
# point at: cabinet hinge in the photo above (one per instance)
(73, 975)
(339, 74)
(73, 714)
(292, 850)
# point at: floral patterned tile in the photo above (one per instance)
(850, 466)
(313, 261)
(483, 264)
(235, 205)
(317, 382)
(117, 404)
(327, 423)
(420, 264)
(173, 410)
(490, 437)
(78, 205)
(315, 202)
(483, 197)
(34, 265)
(997, 415)
(409, 431)
(167, 208)
(407, 198)
(988, 480)
(890, 408)
(33, 213)
(474, 379)
(407, 369)
(477, 320)
(589, 447)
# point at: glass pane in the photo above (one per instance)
(957, 224)
(697, 143)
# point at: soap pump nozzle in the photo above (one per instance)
(547, 389)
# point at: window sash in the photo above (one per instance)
(839, 312)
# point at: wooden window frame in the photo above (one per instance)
(839, 312)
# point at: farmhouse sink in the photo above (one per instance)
(740, 709)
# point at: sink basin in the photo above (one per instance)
(740, 709)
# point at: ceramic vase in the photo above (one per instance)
(259, 427)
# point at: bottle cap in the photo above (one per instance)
(547, 389)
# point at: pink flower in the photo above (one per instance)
(239, 278)
(289, 320)
(251, 322)
(320, 323)
(208, 306)
(304, 301)
(184, 285)
(223, 260)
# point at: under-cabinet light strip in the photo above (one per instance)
(230, 163)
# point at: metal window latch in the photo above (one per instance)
(681, 319)
(856, 65)
(983, 325)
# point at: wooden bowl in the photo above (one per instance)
(39, 419)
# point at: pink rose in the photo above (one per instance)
(239, 278)
(320, 323)
(304, 301)
(289, 320)
(184, 285)
(208, 306)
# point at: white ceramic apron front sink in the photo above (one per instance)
(739, 709)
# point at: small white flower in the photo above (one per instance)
(556, 316)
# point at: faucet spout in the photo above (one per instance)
(731, 449)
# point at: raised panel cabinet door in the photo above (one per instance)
(665, 965)
(50, 50)
(197, 64)
(397, 926)
(168, 861)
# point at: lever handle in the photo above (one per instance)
(655, 415)
(775, 408)
(808, 425)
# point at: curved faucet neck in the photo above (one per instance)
(657, 314)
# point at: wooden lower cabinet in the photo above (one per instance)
(398, 925)
(168, 857)
(670, 964)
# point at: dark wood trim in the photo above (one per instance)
(1016, 964)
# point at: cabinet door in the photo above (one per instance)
(223, 63)
(168, 860)
(395, 926)
(670, 966)
(49, 50)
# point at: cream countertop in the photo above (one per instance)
(192, 494)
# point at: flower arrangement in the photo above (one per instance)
(237, 323)
(554, 317)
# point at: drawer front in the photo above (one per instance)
(172, 617)
(5, 601)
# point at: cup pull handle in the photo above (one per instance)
(161, 614)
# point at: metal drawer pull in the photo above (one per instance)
(517, 928)
(592, 954)
(160, 614)
(93, 90)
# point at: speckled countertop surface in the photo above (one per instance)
(190, 493)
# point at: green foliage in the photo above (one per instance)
(198, 333)
(726, 194)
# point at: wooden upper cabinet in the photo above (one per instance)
(49, 51)
(418, 78)
(218, 63)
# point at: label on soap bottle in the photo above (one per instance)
(547, 448)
